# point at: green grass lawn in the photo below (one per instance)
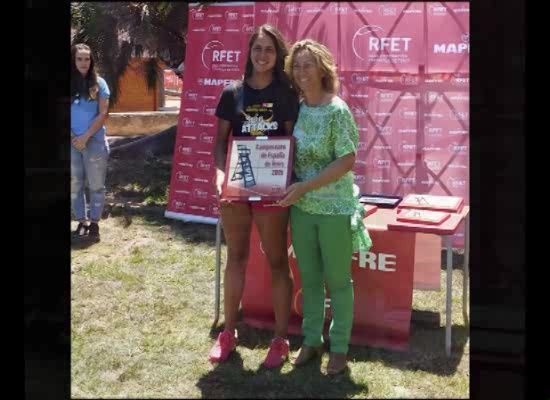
(142, 306)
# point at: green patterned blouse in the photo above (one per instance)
(323, 134)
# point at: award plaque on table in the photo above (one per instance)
(258, 168)
(417, 216)
(379, 200)
(435, 203)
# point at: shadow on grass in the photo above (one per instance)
(231, 380)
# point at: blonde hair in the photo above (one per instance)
(323, 59)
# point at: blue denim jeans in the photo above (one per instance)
(89, 168)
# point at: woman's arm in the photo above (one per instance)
(334, 171)
(220, 152)
(80, 141)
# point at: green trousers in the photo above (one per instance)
(323, 248)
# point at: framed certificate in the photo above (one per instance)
(434, 203)
(258, 168)
(422, 216)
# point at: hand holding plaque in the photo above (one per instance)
(258, 168)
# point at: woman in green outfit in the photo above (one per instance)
(325, 217)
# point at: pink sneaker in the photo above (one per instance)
(225, 344)
(277, 354)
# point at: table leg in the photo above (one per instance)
(466, 269)
(449, 294)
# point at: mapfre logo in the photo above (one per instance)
(214, 82)
(231, 15)
(190, 95)
(454, 48)
(206, 138)
(188, 123)
(197, 15)
(381, 163)
(371, 37)
(387, 10)
(214, 56)
(181, 177)
(186, 151)
(457, 183)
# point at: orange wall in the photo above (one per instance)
(134, 94)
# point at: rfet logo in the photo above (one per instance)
(215, 209)
(197, 15)
(200, 193)
(405, 146)
(361, 146)
(381, 163)
(191, 95)
(458, 115)
(406, 180)
(359, 78)
(359, 111)
(437, 10)
(207, 110)
(186, 151)
(214, 56)
(178, 205)
(384, 130)
(387, 10)
(459, 80)
(337, 9)
(458, 148)
(203, 165)
(360, 178)
(408, 114)
(372, 37)
(206, 138)
(456, 183)
(385, 96)
(409, 80)
(188, 123)
(215, 28)
(433, 165)
(247, 28)
(231, 15)
(431, 130)
(181, 177)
